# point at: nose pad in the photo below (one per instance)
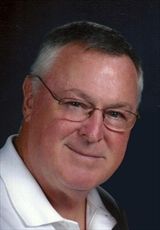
(92, 129)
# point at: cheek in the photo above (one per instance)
(54, 134)
(117, 143)
(47, 141)
(116, 148)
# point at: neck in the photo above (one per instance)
(70, 207)
(70, 204)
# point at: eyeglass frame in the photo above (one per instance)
(60, 102)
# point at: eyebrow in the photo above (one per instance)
(121, 105)
(84, 96)
(80, 94)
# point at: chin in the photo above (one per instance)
(81, 187)
(82, 183)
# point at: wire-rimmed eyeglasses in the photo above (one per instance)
(116, 119)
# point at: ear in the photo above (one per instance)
(28, 98)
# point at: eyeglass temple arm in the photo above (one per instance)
(52, 93)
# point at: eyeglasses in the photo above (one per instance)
(116, 119)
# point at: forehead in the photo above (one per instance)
(73, 55)
(92, 72)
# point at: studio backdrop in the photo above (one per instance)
(22, 27)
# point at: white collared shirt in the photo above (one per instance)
(23, 204)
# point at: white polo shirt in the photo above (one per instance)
(23, 205)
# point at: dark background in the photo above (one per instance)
(22, 28)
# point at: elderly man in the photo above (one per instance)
(80, 104)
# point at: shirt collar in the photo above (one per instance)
(98, 217)
(25, 194)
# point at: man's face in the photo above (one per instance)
(79, 155)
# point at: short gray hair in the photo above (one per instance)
(94, 36)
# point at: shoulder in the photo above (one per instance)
(112, 206)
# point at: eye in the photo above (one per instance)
(116, 114)
(74, 104)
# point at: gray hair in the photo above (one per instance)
(94, 36)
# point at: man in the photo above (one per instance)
(80, 104)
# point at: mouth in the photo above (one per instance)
(87, 155)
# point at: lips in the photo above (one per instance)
(84, 154)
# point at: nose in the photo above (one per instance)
(92, 129)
